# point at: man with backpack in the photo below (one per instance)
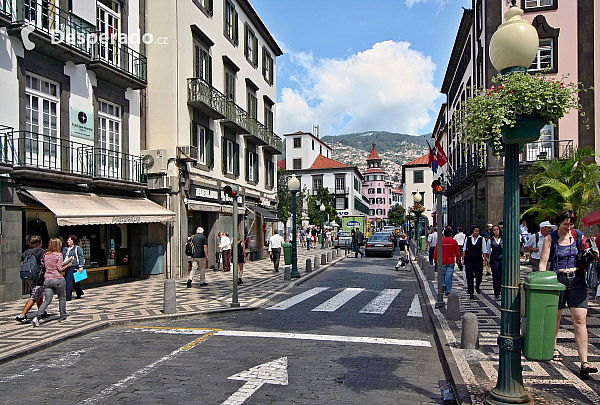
(32, 270)
(536, 241)
(199, 250)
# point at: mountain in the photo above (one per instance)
(394, 149)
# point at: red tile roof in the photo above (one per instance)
(281, 164)
(322, 162)
(419, 161)
(374, 154)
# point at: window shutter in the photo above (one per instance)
(255, 51)
(246, 41)
(224, 155)
(236, 159)
(247, 164)
(255, 167)
(210, 149)
(194, 134)
(209, 69)
(236, 38)
(210, 7)
(270, 70)
(346, 203)
(264, 60)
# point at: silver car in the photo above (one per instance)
(343, 239)
(379, 244)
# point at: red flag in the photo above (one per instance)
(442, 159)
(431, 157)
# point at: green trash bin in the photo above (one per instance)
(423, 242)
(287, 253)
(541, 299)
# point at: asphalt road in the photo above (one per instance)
(355, 334)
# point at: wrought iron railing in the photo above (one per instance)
(120, 56)
(273, 140)
(236, 114)
(114, 165)
(6, 8)
(546, 149)
(55, 22)
(200, 91)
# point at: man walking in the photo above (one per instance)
(275, 244)
(199, 258)
(450, 255)
(432, 240)
(535, 242)
(358, 241)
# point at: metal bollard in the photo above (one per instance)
(469, 337)
(287, 274)
(323, 259)
(170, 302)
(308, 265)
(453, 307)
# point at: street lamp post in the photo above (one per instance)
(512, 48)
(322, 209)
(294, 187)
(417, 198)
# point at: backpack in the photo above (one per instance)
(190, 249)
(31, 270)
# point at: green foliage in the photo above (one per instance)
(564, 184)
(284, 197)
(322, 196)
(396, 215)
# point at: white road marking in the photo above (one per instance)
(415, 308)
(64, 361)
(382, 302)
(274, 372)
(298, 298)
(338, 300)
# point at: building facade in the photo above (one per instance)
(378, 188)
(71, 127)
(417, 178)
(211, 117)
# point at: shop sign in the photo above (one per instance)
(82, 124)
(265, 202)
(206, 193)
(226, 198)
(130, 219)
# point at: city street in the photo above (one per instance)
(354, 334)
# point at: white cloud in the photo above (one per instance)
(410, 3)
(388, 87)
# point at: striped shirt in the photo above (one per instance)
(53, 262)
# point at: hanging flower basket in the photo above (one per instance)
(526, 129)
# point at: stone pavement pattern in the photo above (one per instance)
(547, 382)
(142, 299)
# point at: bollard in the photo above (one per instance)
(453, 307)
(317, 264)
(287, 274)
(429, 271)
(469, 338)
(328, 257)
(308, 265)
(170, 304)
(337, 253)
(323, 259)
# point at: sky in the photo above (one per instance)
(356, 66)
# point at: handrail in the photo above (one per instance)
(200, 90)
(237, 114)
(120, 56)
(546, 149)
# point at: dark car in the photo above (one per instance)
(343, 239)
(389, 235)
(379, 244)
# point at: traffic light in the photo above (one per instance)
(438, 187)
(231, 190)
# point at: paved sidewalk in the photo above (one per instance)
(142, 300)
(475, 371)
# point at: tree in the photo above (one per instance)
(396, 215)
(322, 196)
(561, 184)
(284, 196)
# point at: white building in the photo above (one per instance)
(417, 177)
(211, 114)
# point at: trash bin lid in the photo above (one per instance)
(287, 245)
(543, 280)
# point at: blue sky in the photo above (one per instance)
(354, 66)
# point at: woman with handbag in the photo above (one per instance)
(559, 254)
(74, 251)
(495, 246)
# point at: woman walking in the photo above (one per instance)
(559, 254)
(54, 282)
(74, 251)
(495, 246)
(474, 250)
(241, 258)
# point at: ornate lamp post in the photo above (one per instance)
(417, 198)
(294, 187)
(512, 48)
(322, 209)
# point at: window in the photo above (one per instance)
(252, 103)
(371, 191)
(205, 5)
(378, 190)
(250, 46)
(379, 211)
(380, 200)
(267, 67)
(297, 164)
(313, 144)
(418, 176)
(41, 120)
(251, 166)
(230, 23)
(230, 85)
(340, 203)
(371, 201)
(371, 212)
(390, 201)
(340, 184)
(202, 63)
(270, 172)
(229, 156)
(317, 183)
(297, 142)
(108, 22)
(109, 137)
(539, 5)
(202, 138)
(268, 117)
(545, 55)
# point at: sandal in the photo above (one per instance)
(588, 369)
(556, 356)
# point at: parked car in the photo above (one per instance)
(343, 239)
(379, 243)
(389, 235)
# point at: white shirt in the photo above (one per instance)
(225, 243)
(432, 239)
(531, 243)
(275, 242)
(484, 245)
(460, 238)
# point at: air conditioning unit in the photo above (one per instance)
(187, 153)
(160, 183)
(155, 161)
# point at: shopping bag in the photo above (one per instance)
(80, 276)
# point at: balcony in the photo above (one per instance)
(56, 32)
(118, 64)
(236, 118)
(5, 13)
(42, 157)
(342, 190)
(275, 144)
(205, 98)
(545, 149)
(258, 133)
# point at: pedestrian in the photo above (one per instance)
(54, 282)
(76, 252)
(275, 244)
(199, 258)
(450, 255)
(472, 257)
(303, 237)
(559, 254)
(431, 244)
(535, 243)
(308, 237)
(494, 247)
(358, 242)
(314, 233)
(403, 248)
(241, 247)
(487, 233)
(225, 249)
(460, 237)
(37, 290)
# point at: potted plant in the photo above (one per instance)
(516, 108)
(417, 209)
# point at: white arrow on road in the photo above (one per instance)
(273, 372)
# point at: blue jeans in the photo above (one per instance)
(447, 277)
(431, 253)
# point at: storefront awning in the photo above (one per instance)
(212, 207)
(73, 208)
(267, 214)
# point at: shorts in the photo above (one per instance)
(575, 295)
(37, 293)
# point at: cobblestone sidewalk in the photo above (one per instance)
(134, 300)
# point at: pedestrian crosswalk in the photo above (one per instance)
(378, 305)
